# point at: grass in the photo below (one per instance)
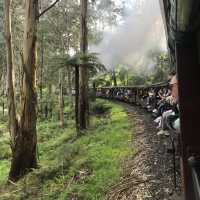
(74, 168)
(5, 152)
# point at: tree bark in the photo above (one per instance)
(77, 97)
(69, 69)
(50, 100)
(41, 74)
(24, 149)
(21, 77)
(114, 78)
(3, 92)
(13, 124)
(83, 71)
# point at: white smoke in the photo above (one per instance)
(132, 43)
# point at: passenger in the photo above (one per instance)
(174, 108)
(164, 100)
(163, 93)
(151, 100)
(176, 125)
(174, 89)
(162, 104)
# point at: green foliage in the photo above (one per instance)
(4, 169)
(127, 76)
(90, 60)
(100, 108)
(5, 152)
(70, 167)
(162, 69)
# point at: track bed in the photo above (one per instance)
(149, 173)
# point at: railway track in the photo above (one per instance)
(149, 173)
(136, 96)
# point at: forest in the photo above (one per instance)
(57, 140)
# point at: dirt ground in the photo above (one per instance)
(148, 175)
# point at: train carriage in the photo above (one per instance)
(182, 23)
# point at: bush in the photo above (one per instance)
(100, 107)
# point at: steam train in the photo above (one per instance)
(182, 26)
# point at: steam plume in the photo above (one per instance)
(134, 42)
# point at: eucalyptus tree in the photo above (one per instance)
(60, 32)
(23, 131)
(13, 123)
(2, 61)
(58, 36)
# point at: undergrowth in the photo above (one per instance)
(72, 168)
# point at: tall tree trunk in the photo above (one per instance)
(3, 92)
(13, 124)
(41, 73)
(24, 149)
(114, 78)
(77, 97)
(50, 100)
(61, 100)
(83, 82)
(21, 77)
(69, 77)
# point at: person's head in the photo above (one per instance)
(171, 74)
(173, 80)
(174, 87)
